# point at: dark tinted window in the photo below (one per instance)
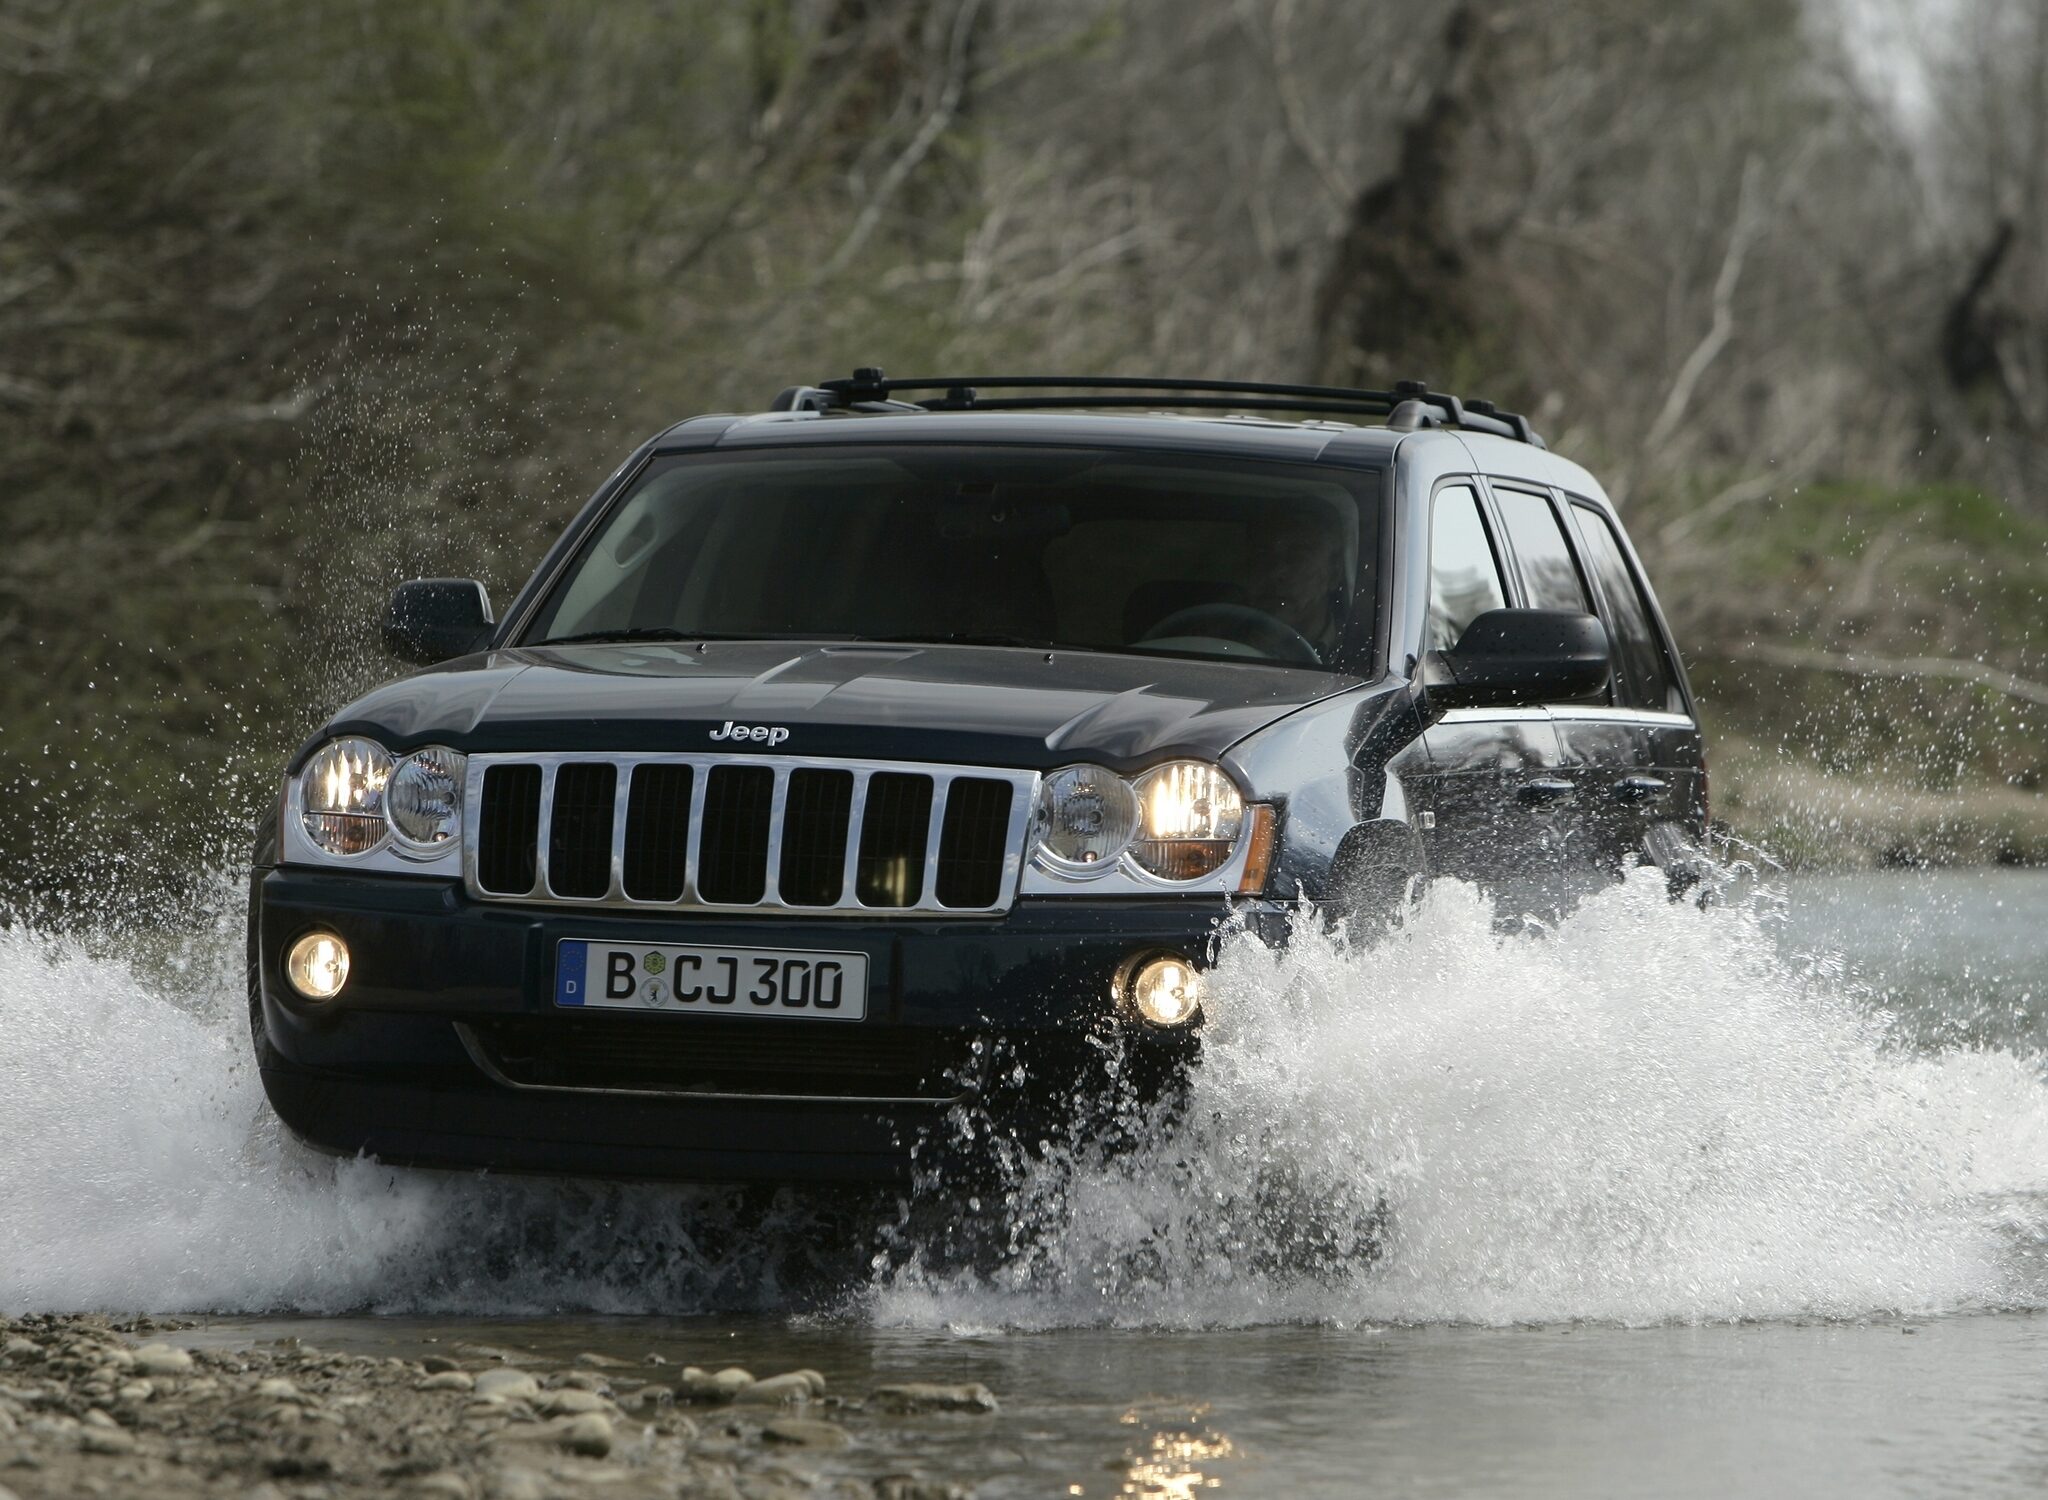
(1550, 579)
(1642, 671)
(1464, 581)
(1098, 550)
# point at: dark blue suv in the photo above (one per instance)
(899, 746)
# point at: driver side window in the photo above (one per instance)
(1464, 579)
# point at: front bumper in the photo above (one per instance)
(445, 1048)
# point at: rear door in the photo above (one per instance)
(1643, 746)
(1497, 792)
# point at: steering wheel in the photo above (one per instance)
(1243, 624)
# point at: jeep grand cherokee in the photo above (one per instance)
(837, 751)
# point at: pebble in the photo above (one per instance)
(98, 1418)
(445, 1482)
(136, 1390)
(805, 1432)
(511, 1384)
(18, 1347)
(456, 1380)
(726, 1384)
(917, 1395)
(162, 1359)
(600, 1361)
(110, 1440)
(438, 1364)
(572, 1403)
(516, 1484)
(776, 1390)
(589, 1434)
(582, 1380)
(277, 1388)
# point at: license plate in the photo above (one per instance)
(792, 984)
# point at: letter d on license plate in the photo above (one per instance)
(792, 984)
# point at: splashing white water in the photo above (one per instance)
(1645, 1114)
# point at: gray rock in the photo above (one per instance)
(600, 1361)
(511, 1384)
(723, 1386)
(162, 1359)
(108, 1440)
(17, 1348)
(572, 1403)
(460, 1380)
(438, 1364)
(805, 1432)
(589, 1434)
(582, 1380)
(445, 1482)
(515, 1483)
(277, 1388)
(776, 1390)
(136, 1391)
(917, 1487)
(817, 1381)
(918, 1395)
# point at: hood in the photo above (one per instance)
(955, 704)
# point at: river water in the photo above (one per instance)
(1664, 1201)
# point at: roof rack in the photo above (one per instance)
(1410, 405)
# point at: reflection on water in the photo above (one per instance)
(1178, 1463)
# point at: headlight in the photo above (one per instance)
(1085, 818)
(341, 796)
(424, 800)
(1189, 818)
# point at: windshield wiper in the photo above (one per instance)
(955, 638)
(636, 633)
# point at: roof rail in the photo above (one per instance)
(1408, 406)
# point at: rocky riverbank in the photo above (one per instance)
(93, 1406)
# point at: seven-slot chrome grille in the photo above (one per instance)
(745, 833)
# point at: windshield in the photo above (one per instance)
(1102, 550)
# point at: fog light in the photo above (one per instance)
(1166, 991)
(317, 965)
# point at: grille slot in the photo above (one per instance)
(508, 830)
(756, 833)
(658, 833)
(749, 1057)
(814, 822)
(890, 870)
(973, 841)
(732, 859)
(580, 832)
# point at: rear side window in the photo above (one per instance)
(1464, 580)
(1550, 579)
(1642, 672)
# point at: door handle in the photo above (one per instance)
(1541, 789)
(1639, 788)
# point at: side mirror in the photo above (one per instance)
(435, 619)
(1521, 656)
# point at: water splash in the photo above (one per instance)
(1644, 1114)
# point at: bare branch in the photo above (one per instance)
(1863, 664)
